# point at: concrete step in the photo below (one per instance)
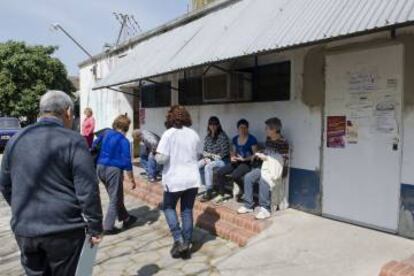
(219, 220)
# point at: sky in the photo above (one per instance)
(91, 22)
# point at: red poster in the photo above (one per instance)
(336, 131)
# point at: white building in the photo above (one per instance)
(337, 73)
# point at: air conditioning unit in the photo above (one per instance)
(230, 87)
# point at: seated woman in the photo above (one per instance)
(275, 152)
(244, 148)
(216, 154)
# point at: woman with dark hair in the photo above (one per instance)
(178, 150)
(216, 154)
(244, 148)
(115, 158)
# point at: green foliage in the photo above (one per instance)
(26, 73)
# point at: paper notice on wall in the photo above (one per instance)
(351, 132)
(385, 119)
(359, 105)
(364, 80)
(336, 131)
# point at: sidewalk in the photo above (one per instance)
(301, 244)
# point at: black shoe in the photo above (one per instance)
(186, 251)
(143, 173)
(176, 250)
(130, 222)
(207, 196)
(112, 231)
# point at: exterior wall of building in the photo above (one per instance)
(106, 104)
(302, 119)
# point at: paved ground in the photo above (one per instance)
(142, 250)
(296, 244)
(299, 244)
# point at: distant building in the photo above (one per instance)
(198, 4)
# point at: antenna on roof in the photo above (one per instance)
(129, 27)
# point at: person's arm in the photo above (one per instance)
(5, 178)
(87, 189)
(163, 150)
(161, 158)
(224, 146)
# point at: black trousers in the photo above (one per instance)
(236, 170)
(53, 254)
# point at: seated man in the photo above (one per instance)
(275, 153)
(149, 141)
(244, 148)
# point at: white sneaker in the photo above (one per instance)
(218, 199)
(263, 213)
(244, 210)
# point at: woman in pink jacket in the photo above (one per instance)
(88, 126)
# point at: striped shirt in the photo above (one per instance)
(219, 146)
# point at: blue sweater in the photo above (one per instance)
(115, 150)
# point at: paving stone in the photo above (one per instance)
(142, 249)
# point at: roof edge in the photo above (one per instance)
(177, 22)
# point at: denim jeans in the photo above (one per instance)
(150, 165)
(207, 171)
(250, 180)
(187, 199)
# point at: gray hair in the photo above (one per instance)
(274, 123)
(136, 132)
(55, 102)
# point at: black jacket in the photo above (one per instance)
(48, 178)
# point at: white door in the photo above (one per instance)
(362, 147)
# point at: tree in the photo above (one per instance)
(26, 73)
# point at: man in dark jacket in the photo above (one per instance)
(48, 178)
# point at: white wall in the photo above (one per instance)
(408, 147)
(106, 104)
(301, 124)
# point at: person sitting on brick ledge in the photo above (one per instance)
(276, 150)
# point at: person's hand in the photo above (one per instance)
(261, 156)
(239, 158)
(207, 160)
(95, 240)
(233, 159)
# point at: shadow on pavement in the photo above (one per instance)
(148, 270)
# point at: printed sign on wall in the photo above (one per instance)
(336, 131)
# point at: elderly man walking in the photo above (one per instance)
(48, 178)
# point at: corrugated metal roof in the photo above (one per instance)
(248, 27)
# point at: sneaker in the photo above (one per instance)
(219, 199)
(177, 249)
(112, 231)
(130, 222)
(263, 213)
(206, 197)
(244, 210)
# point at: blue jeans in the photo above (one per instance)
(150, 165)
(250, 179)
(187, 199)
(207, 172)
